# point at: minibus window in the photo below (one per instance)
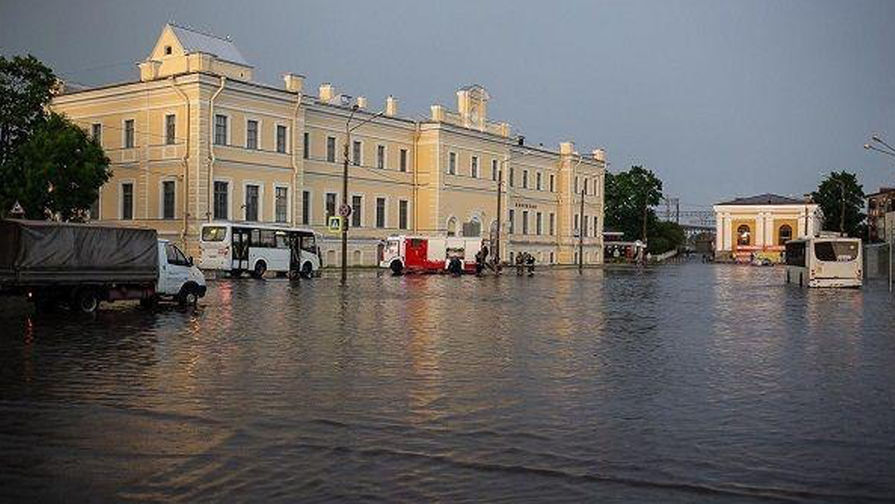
(214, 233)
(836, 251)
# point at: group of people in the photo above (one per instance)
(525, 261)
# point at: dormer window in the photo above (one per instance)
(167, 50)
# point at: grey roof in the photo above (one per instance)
(764, 199)
(194, 41)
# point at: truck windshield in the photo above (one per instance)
(214, 233)
(829, 251)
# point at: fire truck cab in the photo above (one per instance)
(428, 254)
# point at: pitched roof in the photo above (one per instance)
(764, 199)
(194, 41)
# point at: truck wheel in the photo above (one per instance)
(307, 270)
(188, 296)
(86, 301)
(396, 267)
(260, 269)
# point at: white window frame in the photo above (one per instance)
(360, 160)
(229, 181)
(229, 128)
(287, 147)
(161, 196)
(363, 199)
(121, 184)
(335, 158)
(273, 201)
(326, 193)
(165, 115)
(409, 213)
(452, 167)
(405, 154)
(495, 168)
(552, 183)
(384, 156)
(539, 181)
(474, 166)
(310, 213)
(306, 144)
(525, 178)
(385, 213)
(246, 129)
(124, 133)
(245, 207)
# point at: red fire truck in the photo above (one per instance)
(428, 254)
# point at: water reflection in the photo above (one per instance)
(685, 383)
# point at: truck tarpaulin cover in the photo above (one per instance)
(63, 252)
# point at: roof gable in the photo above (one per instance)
(192, 41)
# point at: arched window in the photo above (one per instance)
(452, 227)
(784, 234)
(744, 235)
(473, 228)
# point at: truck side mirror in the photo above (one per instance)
(190, 260)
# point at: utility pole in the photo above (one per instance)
(581, 236)
(842, 209)
(499, 213)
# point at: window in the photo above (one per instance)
(552, 224)
(168, 199)
(525, 222)
(538, 225)
(170, 129)
(584, 225)
(175, 256)
(784, 234)
(167, 50)
(403, 162)
(214, 233)
(356, 209)
(305, 207)
(306, 146)
(538, 181)
(452, 227)
(474, 168)
(380, 212)
(576, 186)
(330, 205)
(221, 194)
(251, 203)
(512, 176)
(743, 235)
(220, 129)
(129, 134)
(511, 221)
(251, 134)
(380, 157)
(281, 139)
(525, 179)
(331, 149)
(576, 225)
(596, 227)
(585, 186)
(356, 152)
(402, 214)
(828, 251)
(127, 201)
(472, 228)
(795, 253)
(552, 180)
(281, 203)
(494, 170)
(452, 163)
(97, 133)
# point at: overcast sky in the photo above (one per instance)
(721, 99)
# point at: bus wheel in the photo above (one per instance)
(260, 269)
(307, 270)
(396, 267)
(86, 301)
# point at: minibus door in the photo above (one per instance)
(240, 249)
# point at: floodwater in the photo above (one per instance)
(682, 383)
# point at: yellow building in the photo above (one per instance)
(761, 225)
(197, 140)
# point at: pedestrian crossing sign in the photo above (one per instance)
(335, 224)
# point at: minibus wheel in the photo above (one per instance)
(260, 269)
(307, 270)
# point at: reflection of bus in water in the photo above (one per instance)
(822, 261)
(258, 248)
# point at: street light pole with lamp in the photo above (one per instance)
(344, 210)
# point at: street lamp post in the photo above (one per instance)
(348, 130)
(500, 171)
(890, 228)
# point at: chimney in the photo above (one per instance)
(599, 155)
(361, 102)
(566, 147)
(391, 106)
(294, 82)
(437, 113)
(326, 92)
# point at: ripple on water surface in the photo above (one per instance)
(682, 383)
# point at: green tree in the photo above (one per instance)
(841, 199)
(47, 163)
(630, 198)
(666, 236)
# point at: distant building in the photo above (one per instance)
(761, 225)
(195, 139)
(878, 204)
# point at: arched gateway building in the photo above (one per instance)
(761, 225)
(196, 140)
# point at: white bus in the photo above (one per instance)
(258, 248)
(822, 261)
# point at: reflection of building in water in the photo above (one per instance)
(197, 139)
(761, 225)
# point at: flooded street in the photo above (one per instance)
(677, 384)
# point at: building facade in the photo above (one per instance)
(878, 205)
(196, 140)
(761, 225)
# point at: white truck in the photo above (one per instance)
(85, 264)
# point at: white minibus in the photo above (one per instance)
(258, 249)
(822, 261)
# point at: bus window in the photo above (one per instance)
(214, 233)
(281, 240)
(795, 254)
(835, 251)
(308, 243)
(268, 238)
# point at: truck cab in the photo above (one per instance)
(178, 276)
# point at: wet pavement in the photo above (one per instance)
(683, 383)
